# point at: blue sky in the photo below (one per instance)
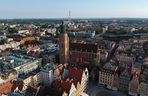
(78, 8)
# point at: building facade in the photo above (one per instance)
(108, 76)
(83, 53)
(48, 73)
(143, 89)
(133, 86)
(33, 80)
(115, 84)
(28, 67)
(124, 80)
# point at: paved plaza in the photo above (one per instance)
(97, 90)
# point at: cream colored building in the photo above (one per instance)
(107, 75)
(33, 80)
(143, 89)
(28, 67)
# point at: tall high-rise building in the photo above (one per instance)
(64, 45)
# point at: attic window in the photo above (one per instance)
(86, 73)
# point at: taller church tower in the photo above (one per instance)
(64, 45)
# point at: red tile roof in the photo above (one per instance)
(6, 88)
(64, 84)
(90, 47)
(59, 70)
(75, 72)
(9, 87)
(73, 29)
(119, 51)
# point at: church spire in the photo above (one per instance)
(63, 45)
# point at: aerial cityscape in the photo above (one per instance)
(73, 48)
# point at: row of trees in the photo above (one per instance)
(3, 41)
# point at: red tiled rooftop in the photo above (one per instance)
(90, 47)
(59, 70)
(73, 29)
(64, 84)
(120, 51)
(75, 72)
(9, 87)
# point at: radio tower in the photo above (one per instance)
(69, 17)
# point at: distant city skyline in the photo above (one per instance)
(13, 9)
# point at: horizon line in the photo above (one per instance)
(78, 18)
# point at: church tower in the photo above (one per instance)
(64, 45)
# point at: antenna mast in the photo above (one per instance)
(69, 17)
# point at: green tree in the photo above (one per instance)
(33, 42)
(12, 30)
(5, 75)
(95, 63)
(3, 41)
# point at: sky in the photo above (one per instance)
(11, 9)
